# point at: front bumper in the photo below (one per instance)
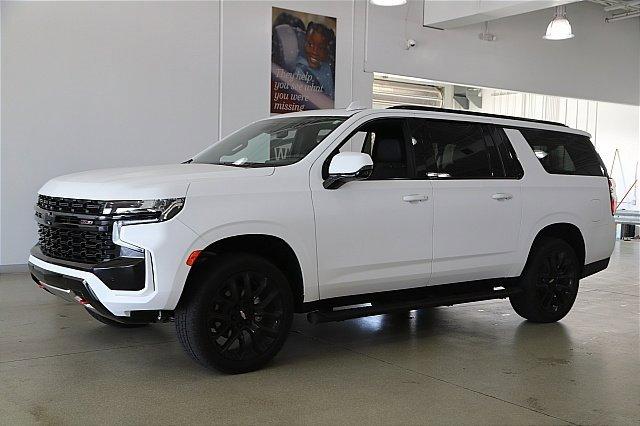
(122, 273)
(165, 245)
(76, 290)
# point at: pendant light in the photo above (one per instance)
(559, 28)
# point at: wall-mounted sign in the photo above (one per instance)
(303, 61)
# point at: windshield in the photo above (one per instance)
(273, 142)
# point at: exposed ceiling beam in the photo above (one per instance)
(613, 5)
(616, 10)
(621, 16)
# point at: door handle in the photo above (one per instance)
(502, 196)
(415, 198)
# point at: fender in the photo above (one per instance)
(550, 219)
(306, 259)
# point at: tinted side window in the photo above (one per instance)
(384, 140)
(450, 149)
(564, 153)
(512, 167)
(424, 151)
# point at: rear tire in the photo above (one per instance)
(112, 323)
(238, 316)
(549, 282)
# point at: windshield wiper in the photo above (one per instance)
(246, 164)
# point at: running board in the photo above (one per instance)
(316, 317)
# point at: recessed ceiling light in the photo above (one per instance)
(388, 2)
(559, 28)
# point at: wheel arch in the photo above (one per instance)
(568, 232)
(271, 247)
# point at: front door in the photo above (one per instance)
(375, 235)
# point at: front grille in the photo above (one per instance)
(71, 229)
(76, 245)
(70, 205)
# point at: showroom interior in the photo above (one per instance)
(91, 85)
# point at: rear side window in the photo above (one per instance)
(564, 153)
(451, 149)
(512, 167)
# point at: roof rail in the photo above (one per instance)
(475, 113)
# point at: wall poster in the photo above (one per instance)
(303, 61)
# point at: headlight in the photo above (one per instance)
(141, 211)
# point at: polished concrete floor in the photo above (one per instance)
(470, 364)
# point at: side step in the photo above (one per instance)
(319, 316)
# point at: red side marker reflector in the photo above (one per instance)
(81, 301)
(193, 257)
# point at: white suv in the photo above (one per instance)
(337, 213)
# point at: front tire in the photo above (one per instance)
(239, 315)
(549, 282)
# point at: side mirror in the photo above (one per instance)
(346, 167)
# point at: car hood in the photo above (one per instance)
(137, 183)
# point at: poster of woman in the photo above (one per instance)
(303, 61)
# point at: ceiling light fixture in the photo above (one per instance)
(486, 35)
(388, 2)
(559, 28)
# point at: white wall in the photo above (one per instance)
(99, 84)
(618, 127)
(246, 56)
(601, 63)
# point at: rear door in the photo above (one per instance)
(476, 198)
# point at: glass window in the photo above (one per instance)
(272, 142)
(424, 150)
(384, 141)
(508, 160)
(564, 153)
(355, 142)
(450, 149)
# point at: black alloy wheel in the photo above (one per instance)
(549, 282)
(246, 315)
(557, 281)
(237, 313)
